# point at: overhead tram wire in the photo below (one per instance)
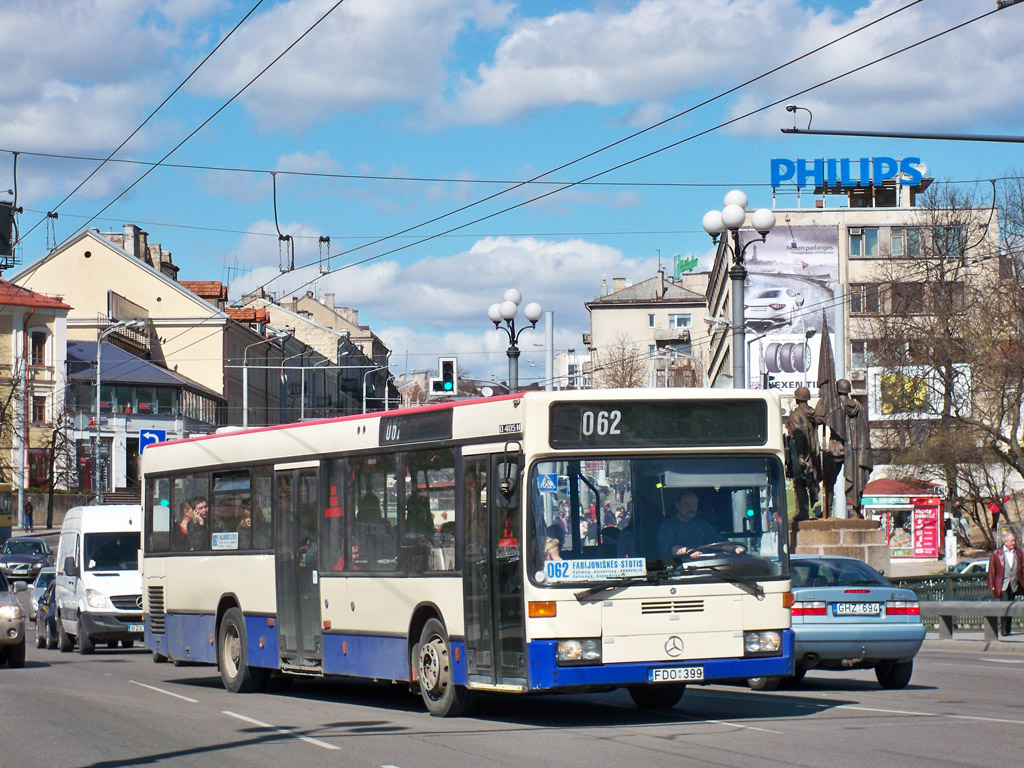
(626, 163)
(623, 140)
(109, 158)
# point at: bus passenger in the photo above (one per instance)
(553, 542)
(419, 523)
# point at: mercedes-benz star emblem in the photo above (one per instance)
(138, 601)
(674, 646)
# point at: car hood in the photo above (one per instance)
(31, 559)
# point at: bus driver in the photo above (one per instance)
(683, 534)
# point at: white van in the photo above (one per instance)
(99, 585)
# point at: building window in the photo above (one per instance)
(908, 299)
(863, 242)
(38, 344)
(905, 241)
(650, 321)
(864, 299)
(948, 242)
(948, 298)
(39, 469)
(862, 354)
(679, 321)
(38, 409)
(652, 350)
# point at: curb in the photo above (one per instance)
(975, 645)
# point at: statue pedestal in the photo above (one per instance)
(862, 539)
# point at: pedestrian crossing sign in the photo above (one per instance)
(547, 483)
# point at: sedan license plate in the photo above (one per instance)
(137, 628)
(674, 674)
(856, 609)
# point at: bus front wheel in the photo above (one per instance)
(233, 656)
(663, 696)
(442, 697)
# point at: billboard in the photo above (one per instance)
(790, 282)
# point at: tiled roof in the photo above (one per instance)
(647, 291)
(248, 315)
(208, 289)
(885, 486)
(11, 294)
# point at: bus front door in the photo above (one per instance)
(298, 592)
(493, 584)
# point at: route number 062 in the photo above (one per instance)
(601, 423)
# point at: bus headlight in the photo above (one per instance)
(97, 599)
(764, 643)
(586, 651)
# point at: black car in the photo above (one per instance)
(46, 619)
(23, 558)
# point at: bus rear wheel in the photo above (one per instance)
(657, 696)
(442, 697)
(233, 656)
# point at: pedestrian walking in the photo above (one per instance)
(1004, 574)
(29, 509)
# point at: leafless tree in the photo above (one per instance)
(12, 404)
(947, 336)
(621, 365)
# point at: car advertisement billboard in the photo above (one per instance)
(790, 282)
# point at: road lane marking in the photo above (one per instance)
(888, 711)
(161, 690)
(283, 731)
(738, 725)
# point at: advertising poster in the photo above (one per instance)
(790, 279)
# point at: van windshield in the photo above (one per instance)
(113, 551)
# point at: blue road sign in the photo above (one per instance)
(547, 483)
(151, 436)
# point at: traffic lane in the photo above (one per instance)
(183, 716)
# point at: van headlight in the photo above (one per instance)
(97, 599)
(763, 643)
(11, 612)
(576, 652)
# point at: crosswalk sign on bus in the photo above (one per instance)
(547, 483)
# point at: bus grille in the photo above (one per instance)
(671, 606)
(156, 610)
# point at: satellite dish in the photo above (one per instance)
(920, 168)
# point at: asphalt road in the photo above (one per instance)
(118, 708)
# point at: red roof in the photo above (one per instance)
(11, 294)
(885, 486)
(208, 289)
(248, 315)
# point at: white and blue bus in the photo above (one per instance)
(510, 544)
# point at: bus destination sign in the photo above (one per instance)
(655, 424)
(416, 427)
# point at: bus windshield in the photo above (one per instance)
(599, 519)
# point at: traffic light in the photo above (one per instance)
(448, 382)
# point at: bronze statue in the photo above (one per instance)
(802, 428)
(858, 460)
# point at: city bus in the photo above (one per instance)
(317, 549)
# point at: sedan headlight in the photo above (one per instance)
(97, 599)
(11, 612)
(764, 643)
(575, 652)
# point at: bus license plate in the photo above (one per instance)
(857, 609)
(674, 674)
(140, 628)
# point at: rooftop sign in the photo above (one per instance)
(846, 172)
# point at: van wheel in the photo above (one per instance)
(16, 655)
(233, 656)
(85, 643)
(64, 641)
(440, 694)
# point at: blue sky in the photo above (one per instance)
(477, 91)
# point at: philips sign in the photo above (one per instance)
(844, 171)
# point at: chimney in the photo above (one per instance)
(618, 284)
(604, 286)
(329, 300)
(661, 283)
(131, 239)
(142, 247)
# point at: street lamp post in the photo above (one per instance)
(730, 219)
(118, 326)
(368, 373)
(505, 312)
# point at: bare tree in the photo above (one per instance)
(12, 404)
(947, 336)
(622, 365)
(61, 455)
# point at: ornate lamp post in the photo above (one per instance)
(505, 312)
(730, 219)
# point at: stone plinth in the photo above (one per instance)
(862, 539)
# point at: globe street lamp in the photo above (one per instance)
(118, 326)
(730, 219)
(505, 312)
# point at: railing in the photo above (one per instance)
(950, 602)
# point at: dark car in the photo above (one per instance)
(846, 615)
(46, 619)
(22, 558)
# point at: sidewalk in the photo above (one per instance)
(973, 641)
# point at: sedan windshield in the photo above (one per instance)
(622, 519)
(18, 547)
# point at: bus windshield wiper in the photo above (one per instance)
(653, 577)
(749, 585)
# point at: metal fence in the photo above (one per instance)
(949, 586)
